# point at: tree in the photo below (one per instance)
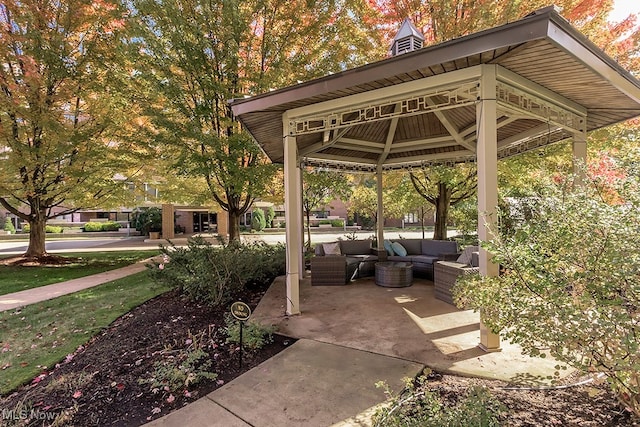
(319, 187)
(197, 55)
(443, 187)
(570, 280)
(364, 202)
(270, 214)
(61, 108)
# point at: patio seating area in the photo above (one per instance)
(408, 323)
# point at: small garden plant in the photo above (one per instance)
(181, 367)
(418, 406)
(254, 335)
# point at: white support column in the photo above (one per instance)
(487, 152)
(293, 218)
(300, 224)
(380, 212)
(579, 156)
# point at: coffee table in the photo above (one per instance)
(394, 274)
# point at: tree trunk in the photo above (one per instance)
(442, 212)
(308, 215)
(234, 225)
(37, 226)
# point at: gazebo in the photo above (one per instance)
(483, 97)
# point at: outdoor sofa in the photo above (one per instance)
(337, 263)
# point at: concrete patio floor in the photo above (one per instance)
(406, 323)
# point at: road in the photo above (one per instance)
(16, 247)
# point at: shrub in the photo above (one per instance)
(147, 219)
(93, 226)
(47, 229)
(216, 274)
(271, 213)
(258, 221)
(417, 406)
(8, 225)
(110, 226)
(337, 223)
(254, 335)
(571, 281)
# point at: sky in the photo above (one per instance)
(622, 9)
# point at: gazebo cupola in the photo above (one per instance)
(408, 39)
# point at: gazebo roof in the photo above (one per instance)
(418, 107)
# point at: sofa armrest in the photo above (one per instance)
(329, 270)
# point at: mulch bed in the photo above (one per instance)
(109, 393)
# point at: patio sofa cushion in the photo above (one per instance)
(398, 258)
(398, 249)
(424, 259)
(413, 246)
(466, 257)
(388, 248)
(331, 248)
(437, 247)
(355, 247)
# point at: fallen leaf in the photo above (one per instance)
(156, 410)
(77, 394)
(171, 398)
(24, 364)
(5, 366)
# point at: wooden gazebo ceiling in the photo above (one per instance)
(541, 48)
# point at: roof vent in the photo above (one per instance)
(408, 39)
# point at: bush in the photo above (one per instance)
(8, 225)
(47, 229)
(271, 213)
(93, 226)
(571, 281)
(337, 223)
(216, 274)
(101, 226)
(258, 221)
(254, 335)
(417, 406)
(147, 219)
(110, 226)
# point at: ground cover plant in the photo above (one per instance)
(34, 338)
(570, 281)
(14, 278)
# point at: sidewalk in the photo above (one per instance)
(43, 293)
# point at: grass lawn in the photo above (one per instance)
(20, 278)
(40, 335)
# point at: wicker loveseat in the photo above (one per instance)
(337, 263)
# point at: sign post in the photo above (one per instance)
(242, 312)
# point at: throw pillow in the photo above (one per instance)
(465, 257)
(399, 249)
(331, 248)
(388, 248)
